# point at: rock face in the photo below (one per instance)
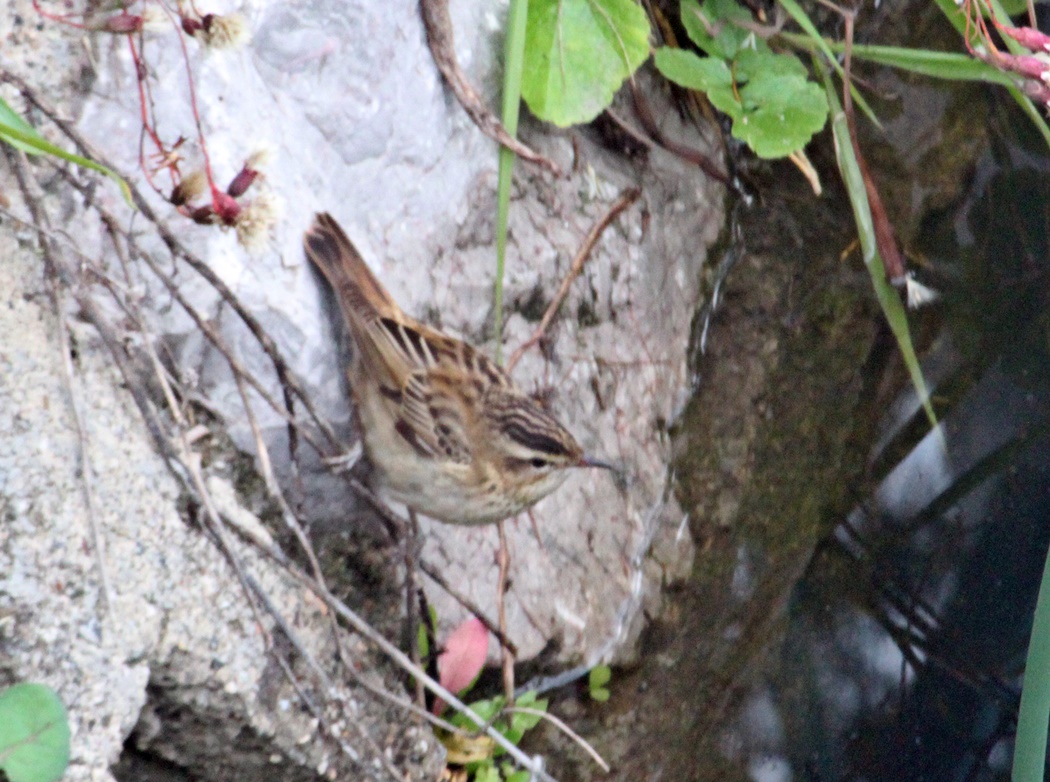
(179, 650)
(347, 98)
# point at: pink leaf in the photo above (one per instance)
(464, 655)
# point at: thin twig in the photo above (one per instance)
(560, 724)
(326, 682)
(626, 198)
(401, 659)
(440, 38)
(493, 627)
(687, 153)
(291, 386)
(410, 542)
(506, 656)
(185, 465)
(55, 271)
(237, 368)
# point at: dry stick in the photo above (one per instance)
(288, 382)
(687, 153)
(198, 489)
(326, 682)
(209, 332)
(410, 541)
(399, 657)
(253, 591)
(627, 197)
(248, 583)
(506, 656)
(55, 270)
(271, 552)
(112, 341)
(885, 237)
(289, 517)
(394, 522)
(493, 627)
(292, 521)
(357, 623)
(236, 367)
(440, 38)
(239, 371)
(636, 135)
(564, 728)
(172, 458)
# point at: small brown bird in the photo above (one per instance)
(450, 434)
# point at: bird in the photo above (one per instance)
(451, 436)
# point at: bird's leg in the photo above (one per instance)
(411, 544)
(344, 462)
(506, 655)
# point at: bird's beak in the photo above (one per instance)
(587, 461)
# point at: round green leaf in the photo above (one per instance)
(781, 114)
(692, 72)
(711, 27)
(705, 74)
(750, 64)
(578, 53)
(599, 676)
(34, 734)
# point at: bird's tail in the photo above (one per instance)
(361, 296)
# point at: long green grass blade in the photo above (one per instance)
(1033, 716)
(887, 296)
(19, 134)
(10, 119)
(514, 55)
(951, 66)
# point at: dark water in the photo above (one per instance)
(906, 637)
(867, 617)
(950, 546)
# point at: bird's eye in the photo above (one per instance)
(538, 463)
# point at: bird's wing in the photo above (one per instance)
(424, 386)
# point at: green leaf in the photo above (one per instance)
(710, 26)
(578, 53)
(1030, 743)
(709, 75)
(781, 108)
(1015, 7)
(775, 109)
(487, 772)
(422, 641)
(34, 734)
(951, 66)
(521, 723)
(16, 132)
(600, 694)
(795, 11)
(693, 72)
(486, 710)
(599, 676)
(519, 776)
(9, 119)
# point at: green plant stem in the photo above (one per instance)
(800, 17)
(514, 55)
(888, 298)
(1032, 717)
